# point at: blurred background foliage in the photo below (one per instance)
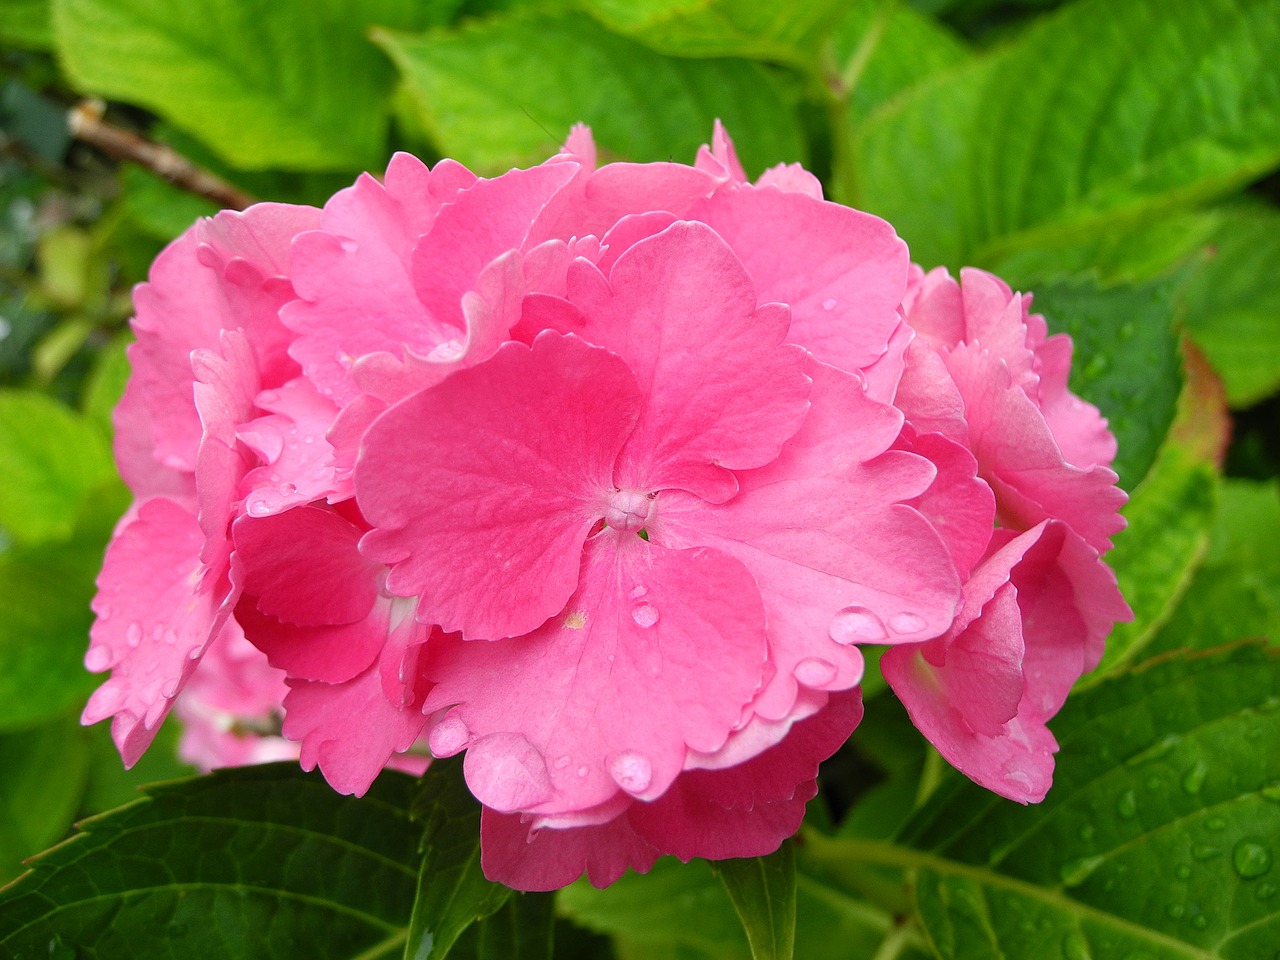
(1119, 159)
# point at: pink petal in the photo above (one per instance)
(749, 809)
(513, 853)
(482, 490)
(1017, 455)
(842, 272)
(721, 395)
(838, 556)
(958, 503)
(720, 159)
(290, 440)
(156, 614)
(351, 730)
(656, 654)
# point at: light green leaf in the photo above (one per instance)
(290, 83)
(763, 891)
(1155, 556)
(505, 92)
(1236, 591)
(1090, 119)
(1125, 362)
(1157, 840)
(106, 382)
(52, 459)
(256, 862)
(452, 890)
(758, 29)
(1233, 304)
(48, 765)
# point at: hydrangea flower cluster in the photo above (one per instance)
(602, 475)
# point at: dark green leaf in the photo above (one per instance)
(1157, 839)
(522, 929)
(1090, 119)
(505, 92)
(1126, 361)
(44, 778)
(763, 891)
(53, 458)
(452, 890)
(256, 862)
(292, 83)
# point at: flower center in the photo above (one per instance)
(627, 510)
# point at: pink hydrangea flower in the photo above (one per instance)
(600, 475)
(984, 381)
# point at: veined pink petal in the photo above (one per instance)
(155, 609)
(719, 393)
(842, 272)
(839, 558)
(297, 458)
(482, 490)
(613, 692)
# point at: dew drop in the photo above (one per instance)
(1074, 947)
(1183, 872)
(1127, 805)
(1270, 792)
(1194, 778)
(645, 615)
(856, 625)
(97, 659)
(906, 623)
(1075, 872)
(1264, 891)
(1202, 851)
(104, 612)
(1215, 824)
(582, 771)
(830, 304)
(1176, 911)
(1087, 831)
(170, 689)
(258, 509)
(814, 672)
(631, 771)
(133, 636)
(288, 489)
(562, 762)
(1251, 859)
(268, 397)
(449, 736)
(1199, 921)
(638, 591)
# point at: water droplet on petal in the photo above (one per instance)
(449, 736)
(814, 672)
(638, 591)
(97, 659)
(133, 636)
(562, 762)
(645, 614)
(104, 612)
(856, 625)
(906, 623)
(170, 689)
(830, 303)
(288, 489)
(258, 509)
(582, 771)
(1127, 805)
(268, 397)
(1251, 859)
(631, 771)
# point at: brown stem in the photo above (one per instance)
(86, 123)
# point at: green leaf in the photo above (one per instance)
(1088, 120)
(53, 458)
(50, 764)
(26, 24)
(1126, 361)
(159, 208)
(1232, 304)
(255, 862)
(452, 890)
(292, 83)
(758, 29)
(1157, 839)
(521, 929)
(506, 91)
(105, 384)
(1236, 591)
(1155, 556)
(763, 891)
